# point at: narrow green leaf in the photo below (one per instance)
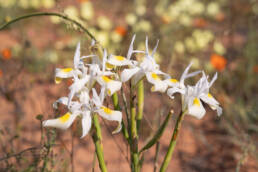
(159, 133)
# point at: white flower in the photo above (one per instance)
(66, 120)
(70, 72)
(149, 68)
(104, 111)
(85, 108)
(124, 61)
(179, 86)
(193, 96)
(104, 77)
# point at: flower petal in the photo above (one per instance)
(62, 100)
(62, 122)
(113, 86)
(212, 102)
(160, 86)
(195, 108)
(111, 115)
(86, 123)
(119, 61)
(76, 59)
(173, 90)
(63, 73)
(128, 73)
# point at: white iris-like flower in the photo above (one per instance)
(149, 68)
(70, 72)
(104, 77)
(124, 61)
(105, 112)
(193, 96)
(179, 86)
(85, 108)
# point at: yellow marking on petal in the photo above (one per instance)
(196, 102)
(109, 92)
(109, 66)
(155, 76)
(66, 70)
(58, 80)
(152, 88)
(209, 95)
(106, 79)
(173, 80)
(107, 110)
(119, 58)
(65, 117)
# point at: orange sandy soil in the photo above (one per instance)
(202, 146)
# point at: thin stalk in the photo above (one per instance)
(72, 151)
(172, 142)
(133, 133)
(48, 14)
(117, 107)
(140, 103)
(97, 138)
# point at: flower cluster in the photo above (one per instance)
(84, 101)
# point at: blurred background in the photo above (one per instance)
(218, 36)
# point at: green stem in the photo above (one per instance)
(48, 14)
(133, 134)
(117, 107)
(97, 138)
(172, 142)
(140, 103)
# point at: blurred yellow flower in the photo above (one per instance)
(179, 47)
(103, 38)
(185, 20)
(197, 8)
(24, 3)
(87, 11)
(55, 19)
(131, 19)
(104, 23)
(213, 9)
(143, 25)
(48, 3)
(7, 4)
(35, 4)
(72, 12)
(116, 37)
(219, 48)
(140, 10)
